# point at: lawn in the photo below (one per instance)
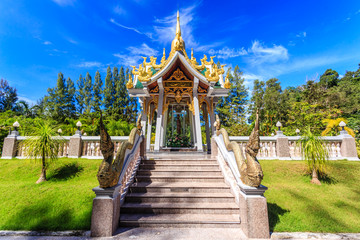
(62, 203)
(295, 205)
(65, 201)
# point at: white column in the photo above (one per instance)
(192, 129)
(197, 123)
(159, 121)
(206, 117)
(212, 118)
(144, 115)
(148, 135)
(163, 129)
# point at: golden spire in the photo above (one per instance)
(178, 43)
(178, 30)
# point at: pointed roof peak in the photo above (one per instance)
(178, 29)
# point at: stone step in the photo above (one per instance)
(190, 167)
(180, 208)
(180, 197)
(175, 173)
(179, 161)
(180, 220)
(185, 178)
(179, 187)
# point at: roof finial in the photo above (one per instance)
(178, 30)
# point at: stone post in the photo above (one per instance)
(75, 145)
(159, 120)
(106, 211)
(214, 147)
(253, 212)
(348, 146)
(282, 146)
(10, 145)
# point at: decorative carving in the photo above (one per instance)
(191, 106)
(165, 106)
(178, 43)
(110, 170)
(250, 170)
(194, 63)
(227, 82)
(155, 89)
(201, 89)
(204, 62)
(129, 84)
(143, 74)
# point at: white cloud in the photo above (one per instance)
(258, 54)
(28, 100)
(64, 3)
(301, 35)
(72, 41)
(89, 64)
(47, 43)
(130, 28)
(119, 10)
(227, 52)
(166, 27)
(134, 54)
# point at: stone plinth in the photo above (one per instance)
(348, 147)
(282, 147)
(75, 146)
(254, 212)
(106, 211)
(9, 147)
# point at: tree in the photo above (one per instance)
(88, 93)
(80, 94)
(257, 99)
(315, 153)
(333, 128)
(42, 144)
(8, 96)
(97, 90)
(70, 108)
(108, 92)
(272, 105)
(329, 79)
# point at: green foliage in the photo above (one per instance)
(8, 96)
(333, 128)
(179, 141)
(97, 89)
(314, 152)
(108, 92)
(42, 143)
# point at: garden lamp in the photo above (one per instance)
(59, 131)
(78, 124)
(297, 131)
(342, 124)
(16, 125)
(279, 125)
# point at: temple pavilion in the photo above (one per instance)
(177, 93)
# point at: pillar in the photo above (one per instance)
(10, 145)
(282, 146)
(75, 145)
(348, 146)
(197, 123)
(159, 120)
(206, 117)
(212, 118)
(106, 211)
(254, 213)
(149, 128)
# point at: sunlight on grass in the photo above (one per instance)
(64, 202)
(296, 205)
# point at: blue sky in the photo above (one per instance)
(290, 40)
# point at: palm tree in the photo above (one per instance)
(43, 144)
(315, 153)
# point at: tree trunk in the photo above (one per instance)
(315, 179)
(43, 171)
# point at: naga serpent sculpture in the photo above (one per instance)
(110, 170)
(250, 170)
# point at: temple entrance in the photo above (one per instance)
(179, 132)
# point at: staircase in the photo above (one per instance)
(179, 190)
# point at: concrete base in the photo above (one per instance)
(75, 146)
(254, 215)
(348, 148)
(106, 211)
(9, 148)
(282, 147)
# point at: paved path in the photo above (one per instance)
(180, 234)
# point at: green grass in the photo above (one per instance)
(296, 205)
(64, 202)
